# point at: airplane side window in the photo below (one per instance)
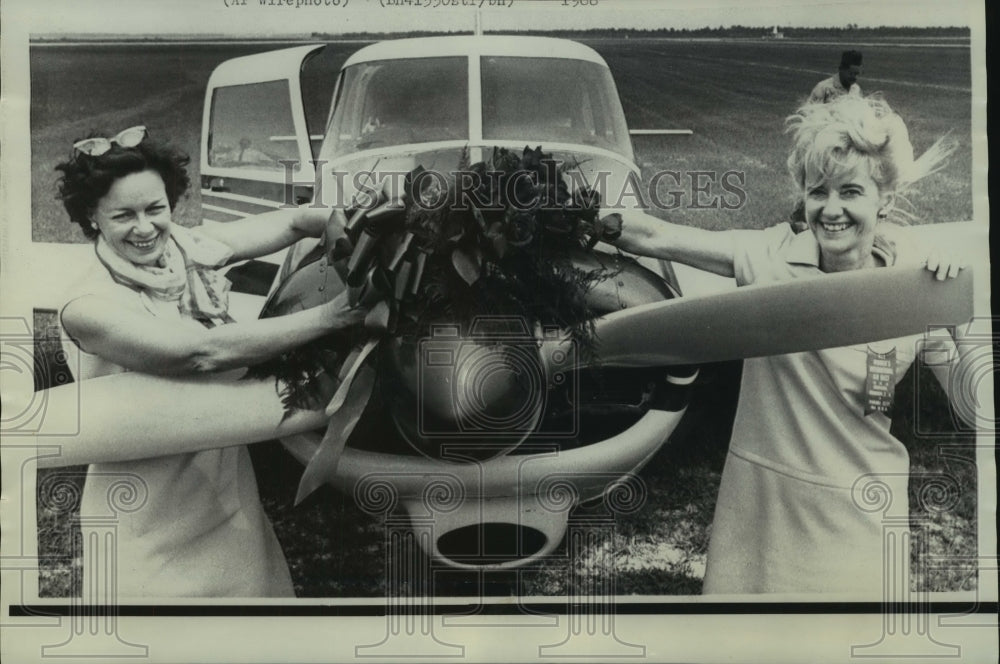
(251, 127)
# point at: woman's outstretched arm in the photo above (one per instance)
(139, 341)
(266, 233)
(646, 235)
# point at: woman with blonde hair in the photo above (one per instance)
(789, 517)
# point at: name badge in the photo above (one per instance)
(880, 383)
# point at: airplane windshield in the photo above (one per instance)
(552, 100)
(395, 102)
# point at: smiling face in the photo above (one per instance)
(842, 212)
(134, 217)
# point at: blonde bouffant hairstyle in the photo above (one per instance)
(836, 137)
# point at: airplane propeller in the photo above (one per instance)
(134, 415)
(825, 312)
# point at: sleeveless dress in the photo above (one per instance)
(810, 479)
(195, 526)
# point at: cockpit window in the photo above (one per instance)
(552, 100)
(395, 102)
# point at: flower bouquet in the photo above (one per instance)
(501, 240)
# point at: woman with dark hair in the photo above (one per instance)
(154, 303)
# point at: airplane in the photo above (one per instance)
(293, 126)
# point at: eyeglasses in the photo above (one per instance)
(126, 138)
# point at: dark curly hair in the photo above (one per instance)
(86, 179)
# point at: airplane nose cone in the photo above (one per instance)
(462, 397)
(498, 386)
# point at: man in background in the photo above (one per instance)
(844, 82)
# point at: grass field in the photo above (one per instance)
(734, 96)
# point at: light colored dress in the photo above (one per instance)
(201, 530)
(796, 510)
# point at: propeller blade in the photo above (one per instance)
(826, 312)
(132, 416)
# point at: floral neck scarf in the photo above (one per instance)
(185, 273)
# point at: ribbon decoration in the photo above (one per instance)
(388, 242)
(410, 257)
(324, 462)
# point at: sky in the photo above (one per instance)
(260, 17)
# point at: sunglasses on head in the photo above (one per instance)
(126, 138)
